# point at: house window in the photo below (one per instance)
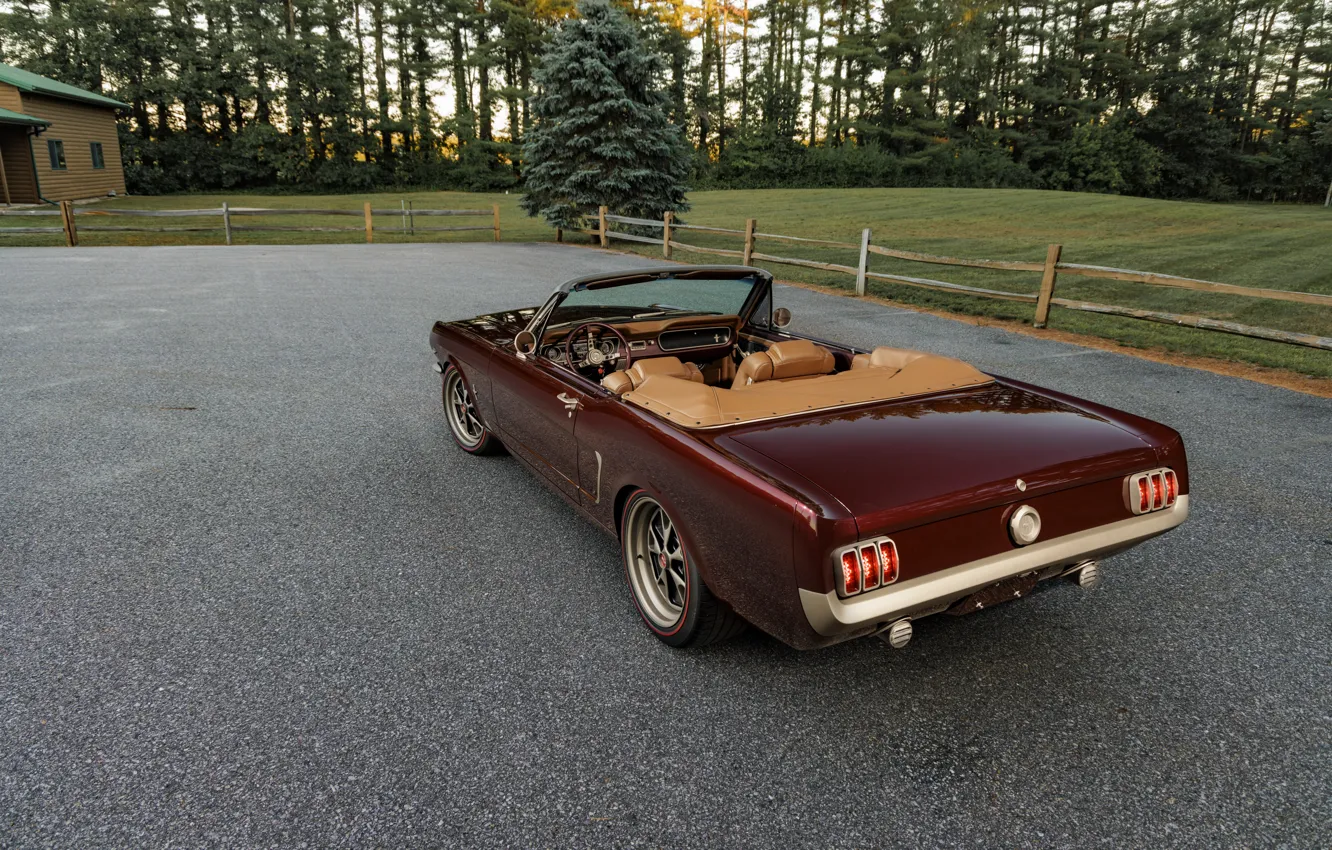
(99, 161)
(56, 149)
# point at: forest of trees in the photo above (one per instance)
(1210, 99)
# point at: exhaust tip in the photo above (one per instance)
(899, 634)
(1088, 574)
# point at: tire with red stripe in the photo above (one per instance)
(666, 587)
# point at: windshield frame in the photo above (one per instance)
(757, 293)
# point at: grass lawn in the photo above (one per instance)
(1275, 247)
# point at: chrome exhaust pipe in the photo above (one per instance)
(898, 635)
(1087, 574)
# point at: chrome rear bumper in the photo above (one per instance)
(830, 615)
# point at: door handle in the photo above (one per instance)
(570, 403)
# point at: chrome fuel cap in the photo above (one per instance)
(1024, 526)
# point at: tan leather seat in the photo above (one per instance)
(693, 405)
(884, 357)
(623, 381)
(784, 361)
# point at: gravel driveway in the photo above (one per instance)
(252, 595)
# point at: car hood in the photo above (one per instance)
(947, 454)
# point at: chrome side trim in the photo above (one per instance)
(830, 615)
(596, 500)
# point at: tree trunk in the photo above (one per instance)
(407, 115)
(462, 88)
(360, 76)
(744, 71)
(381, 81)
(483, 73)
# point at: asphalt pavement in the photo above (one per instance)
(251, 595)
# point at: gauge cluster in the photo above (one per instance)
(555, 353)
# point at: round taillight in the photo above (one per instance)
(1025, 525)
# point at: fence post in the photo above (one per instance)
(495, 209)
(369, 225)
(750, 225)
(67, 219)
(1327, 202)
(601, 214)
(226, 220)
(1047, 285)
(863, 268)
(403, 201)
(559, 234)
(667, 219)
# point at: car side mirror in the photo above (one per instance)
(525, 343)
(781, 317)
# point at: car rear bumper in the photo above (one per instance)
(831, 616)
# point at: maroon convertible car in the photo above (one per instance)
(815, 490)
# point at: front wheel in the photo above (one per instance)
(670, 595)
(464, 421)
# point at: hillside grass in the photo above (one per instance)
(1276, 247)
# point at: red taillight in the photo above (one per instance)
(850, 573)
(869, 567)
(888, 553)
(1151, 491)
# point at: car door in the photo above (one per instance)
(537, 404)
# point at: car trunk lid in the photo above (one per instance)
(950, 454)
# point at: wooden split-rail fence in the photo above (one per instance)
(1050, 269)
(405, 218)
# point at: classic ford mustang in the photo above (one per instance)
(812, 489)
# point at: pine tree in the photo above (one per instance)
(602, 133)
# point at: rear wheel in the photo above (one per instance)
(667, 589)
(464, 422)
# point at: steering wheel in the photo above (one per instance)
(593, 358)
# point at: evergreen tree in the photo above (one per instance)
(602, 134)
(1214, 99)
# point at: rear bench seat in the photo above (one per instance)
(886, 373)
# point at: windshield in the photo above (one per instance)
(653, 298)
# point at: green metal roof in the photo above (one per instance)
(8, 117)
(36, 84)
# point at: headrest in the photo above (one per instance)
(884, 357)
(643, 369)
(798, 358)
(622, 381)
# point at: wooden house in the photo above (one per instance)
(57, 142)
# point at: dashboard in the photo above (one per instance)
(689, 337)
(609, 347)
